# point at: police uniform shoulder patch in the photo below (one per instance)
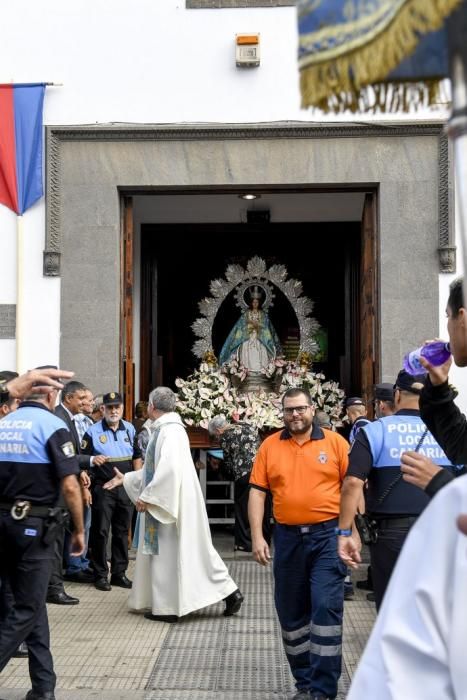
(103, 439)
(84, 444)
(68, 449)
(322, 457)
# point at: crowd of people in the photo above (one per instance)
(73, 472)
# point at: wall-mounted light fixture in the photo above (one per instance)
(249, 196)
(247, 50)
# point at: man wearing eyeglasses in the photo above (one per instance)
(303, 467)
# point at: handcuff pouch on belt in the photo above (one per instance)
(53, 517)
(52, 525)
(367, 528)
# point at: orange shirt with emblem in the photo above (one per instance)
(304, 480)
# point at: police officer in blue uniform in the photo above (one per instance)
(37, 461)
(391, 502)
(356, 413)
(8, 405)
(111, 510)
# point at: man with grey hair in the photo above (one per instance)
(177, 568)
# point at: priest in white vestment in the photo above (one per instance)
(417, 647)
(177, 568)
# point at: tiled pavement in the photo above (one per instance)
(102, 652)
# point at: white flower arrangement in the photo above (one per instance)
(209, 392)
(205, 394)
(326, 395)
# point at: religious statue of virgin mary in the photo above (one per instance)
(253, 340)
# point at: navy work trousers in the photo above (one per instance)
(111, 512)
(383, 557)
(309, 598)
(25, 565)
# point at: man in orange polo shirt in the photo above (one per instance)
(303, 467)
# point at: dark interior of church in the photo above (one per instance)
(180, 261)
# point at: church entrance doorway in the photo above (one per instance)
(335, 260)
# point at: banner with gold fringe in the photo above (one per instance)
(398, 47)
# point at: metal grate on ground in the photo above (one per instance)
(208, 656)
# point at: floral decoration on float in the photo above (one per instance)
(210, 391)
(215, 389)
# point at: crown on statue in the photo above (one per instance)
(255, 293)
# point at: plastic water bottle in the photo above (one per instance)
(437, 353)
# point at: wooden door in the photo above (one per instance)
(127, 379)
(369, 306)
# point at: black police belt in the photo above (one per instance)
(25, 509)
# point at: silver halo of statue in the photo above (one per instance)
(247, 377)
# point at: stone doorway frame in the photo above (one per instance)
(89, 169)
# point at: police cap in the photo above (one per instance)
(217, 454)
(7, 375)
(354, 401)
(384, 391)
(410, 382)
(113, 398)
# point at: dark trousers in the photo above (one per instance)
(25, 565)
(56, 573)
(72, 563)
(383, 557)
(242, 533)
(111, 512)
(309, 598)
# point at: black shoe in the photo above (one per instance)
(83, 576)
(365, 585)
(233, 603)
(120, 580)
(301, 695)
(61, 599)
(35, 695)
(21, 652)
(160, 618)
(371, 597)
(102, 584)
(348, 592)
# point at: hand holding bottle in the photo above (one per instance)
(435, 352)
(438, 375)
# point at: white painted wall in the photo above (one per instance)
(41, 294)
(150, 61)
